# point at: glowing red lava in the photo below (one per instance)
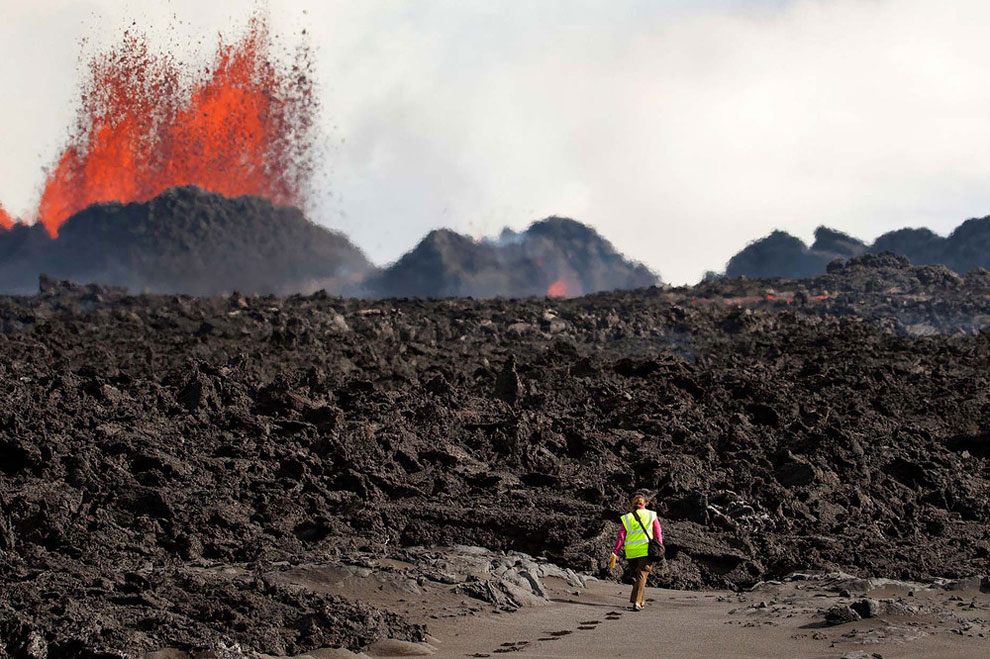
(145, 125)
(558, 289)
(6, 222)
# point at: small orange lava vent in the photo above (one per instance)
(6, 222)
(145, 124)
(559, 289)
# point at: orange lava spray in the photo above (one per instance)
(145, 125)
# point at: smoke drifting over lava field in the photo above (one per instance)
(557, 257)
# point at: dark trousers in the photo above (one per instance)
(640, 569)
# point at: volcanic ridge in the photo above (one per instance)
(557, 257)
(188, 240)
(185, 240)
(782, 255)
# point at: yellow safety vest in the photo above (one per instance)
(637, 543)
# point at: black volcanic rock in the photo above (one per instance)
(968, 247)
(557, 252)
(877, 273)
(835, 243)
(965, 249)
(443, 264)
(778, 255)
(781, 255)
(918, 245)
(186, 240)
(165, 464)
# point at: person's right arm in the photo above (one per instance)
(619, 541)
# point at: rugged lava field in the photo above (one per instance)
(143, 436)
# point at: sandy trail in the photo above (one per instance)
(692, 624)
(774, 620)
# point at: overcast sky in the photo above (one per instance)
(680, 129)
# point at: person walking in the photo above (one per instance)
(639, 526)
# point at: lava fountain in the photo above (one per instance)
(145, 124)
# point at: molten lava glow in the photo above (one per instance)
(145, 125)
(558, 289)
(5, 220)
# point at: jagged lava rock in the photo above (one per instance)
(158, 452)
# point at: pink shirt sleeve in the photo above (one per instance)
(619, 541)
(657, 531)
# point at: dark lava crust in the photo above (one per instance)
(147, 440)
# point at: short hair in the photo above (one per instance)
(636, 501)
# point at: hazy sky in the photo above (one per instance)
(680, 129)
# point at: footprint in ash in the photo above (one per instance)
(511, 647)
(516, 646)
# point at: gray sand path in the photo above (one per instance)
(774, 620)
(687, 624)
